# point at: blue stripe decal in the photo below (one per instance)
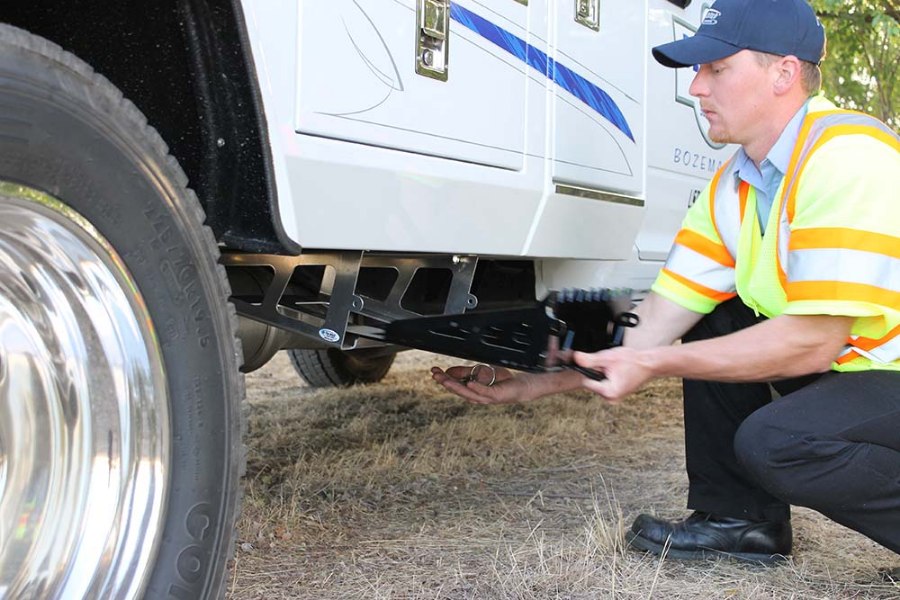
(562, 75)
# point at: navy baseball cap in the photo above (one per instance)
(782, 27)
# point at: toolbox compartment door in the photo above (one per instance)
(598, 102)
(358, 80)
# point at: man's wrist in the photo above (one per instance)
(656, 361)
(559, 381)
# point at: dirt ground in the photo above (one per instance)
(400, 490)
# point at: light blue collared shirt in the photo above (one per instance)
(767, 177)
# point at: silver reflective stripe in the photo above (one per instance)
(818, 127)
(727, 207)
(700, 269)
(841, 264)
(847, 350)
(888, 352)
(885, 353)
(784, 234)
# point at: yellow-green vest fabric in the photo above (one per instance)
(831, 244)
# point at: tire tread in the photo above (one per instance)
(330, 367)
(101, 95)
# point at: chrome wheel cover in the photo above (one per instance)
(84, 422)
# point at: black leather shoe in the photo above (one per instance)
(702, 535)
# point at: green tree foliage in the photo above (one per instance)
(861, 70)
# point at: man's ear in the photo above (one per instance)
(787, 74)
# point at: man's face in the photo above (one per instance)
(734, 94)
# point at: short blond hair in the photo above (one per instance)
(810, 73)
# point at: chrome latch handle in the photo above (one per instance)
(433, 38)
(587, 13)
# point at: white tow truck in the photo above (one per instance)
(189, 186)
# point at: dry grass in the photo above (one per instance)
(399, 490)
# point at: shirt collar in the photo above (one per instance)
(780, 154)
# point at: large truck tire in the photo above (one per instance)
(331, 367)
(120, 395)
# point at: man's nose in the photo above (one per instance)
(698, 84)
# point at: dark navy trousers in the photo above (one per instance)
(828, 442)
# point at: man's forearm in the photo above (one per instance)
(786, 346)
(556, 382)
(661, 323)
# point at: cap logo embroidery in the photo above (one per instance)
(711, 17)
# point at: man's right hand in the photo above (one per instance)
(507, 388)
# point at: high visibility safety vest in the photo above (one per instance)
(831, 244)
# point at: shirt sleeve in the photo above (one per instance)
(699, 271)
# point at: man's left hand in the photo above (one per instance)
(622, 368)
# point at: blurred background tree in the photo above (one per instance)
(861, 70)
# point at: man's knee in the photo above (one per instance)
(751, 447)
(776, 456)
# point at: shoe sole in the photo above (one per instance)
(636, 542)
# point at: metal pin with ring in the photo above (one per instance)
(473, 375)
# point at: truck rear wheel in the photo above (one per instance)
(332, 367)
(120, 420)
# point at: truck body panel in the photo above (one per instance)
(548, 139)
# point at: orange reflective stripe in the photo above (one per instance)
(845, 358)
(792, 187)
(887, 138)
(864, 343)
(808, 122)
(782, 275)
(700, 289)
(705, 246)
(799, 146)
(841, 290)
(743, 191)
(789, 186)
(829, 134)
(842, 237)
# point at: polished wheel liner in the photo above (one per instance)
(84, 422)
(120, 395)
